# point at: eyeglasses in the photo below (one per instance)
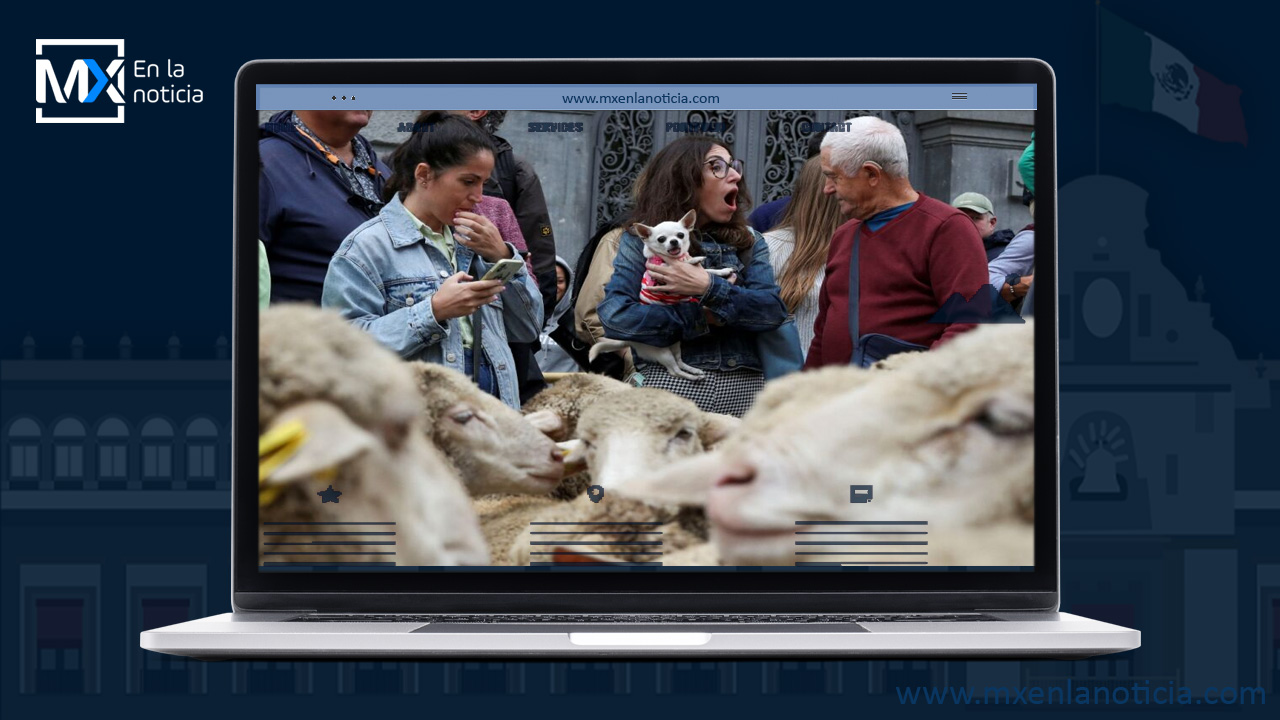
(720, 168)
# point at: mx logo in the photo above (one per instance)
(85, 82)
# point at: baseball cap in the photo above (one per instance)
(976, 202)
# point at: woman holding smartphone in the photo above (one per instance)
(410, 276)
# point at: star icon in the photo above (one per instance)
(329, 495)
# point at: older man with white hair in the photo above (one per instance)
(914, 253)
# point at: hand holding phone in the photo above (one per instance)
(459, 296)
(504, 270)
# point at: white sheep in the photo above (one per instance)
(338, 410)
(944, 437)
(618, 433)
(646, 428)
(492, 446)
(555, 411)
(504, 517)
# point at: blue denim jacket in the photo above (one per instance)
(750, 306)
(383, 276)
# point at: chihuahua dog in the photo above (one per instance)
(666, 242)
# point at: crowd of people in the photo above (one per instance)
(854, 265)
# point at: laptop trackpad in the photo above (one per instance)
(639, 638)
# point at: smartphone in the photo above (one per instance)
(504, 270)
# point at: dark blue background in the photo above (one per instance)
(144, 208)
(126, 229)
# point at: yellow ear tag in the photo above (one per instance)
(275, 447)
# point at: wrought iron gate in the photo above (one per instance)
(771, 144)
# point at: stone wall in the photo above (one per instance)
(976, 151)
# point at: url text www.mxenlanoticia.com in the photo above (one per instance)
(1138, 693)
(640, 99)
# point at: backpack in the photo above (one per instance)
(502, 183)
(608, 363)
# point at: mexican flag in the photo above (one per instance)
(1145, 73)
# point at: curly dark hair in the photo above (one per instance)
(668, 188)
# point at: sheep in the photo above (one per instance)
(339, 412)
(555, 411)
(504, 517)
(800, 391)
(617, 433)
(642, 428)
(944, 436)
(493, 448)
(646, 523)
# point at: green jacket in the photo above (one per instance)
(1027, 166)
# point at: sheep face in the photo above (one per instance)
(384, 474)
(938, 440)
(623, 435)
(493, 447)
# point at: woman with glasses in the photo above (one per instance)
(718, 323)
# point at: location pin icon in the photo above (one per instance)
(596, 493)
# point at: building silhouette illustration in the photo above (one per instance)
(115, 493)
(1162, 481)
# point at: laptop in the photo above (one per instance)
(588, 127)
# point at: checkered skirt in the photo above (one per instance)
(729, 393)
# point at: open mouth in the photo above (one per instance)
(731, 199)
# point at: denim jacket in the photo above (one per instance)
(383, 276)
(750, 306)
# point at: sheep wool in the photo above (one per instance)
(504, 518)
(304, 354)
(567, 398)
(944, 436)
(492, 446)
(353, 416)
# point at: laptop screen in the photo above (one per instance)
(643, 328)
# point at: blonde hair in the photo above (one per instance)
(813, 218)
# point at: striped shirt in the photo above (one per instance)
(651, 297)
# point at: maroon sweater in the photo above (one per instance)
(907, 270)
